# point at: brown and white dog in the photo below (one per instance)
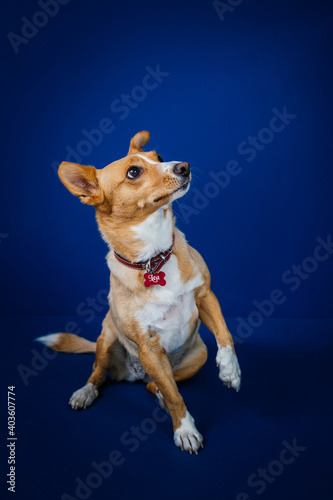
(150, 333)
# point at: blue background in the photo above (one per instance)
(224, 80)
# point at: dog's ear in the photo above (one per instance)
(138, 141)
(81, 181)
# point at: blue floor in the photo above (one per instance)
(272, 440)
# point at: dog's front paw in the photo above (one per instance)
(187, 437)
(230, 372)
(83, 397)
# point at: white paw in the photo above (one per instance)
(83, 397)
(187, 437)
(230, 372)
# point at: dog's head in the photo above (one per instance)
(139, 182)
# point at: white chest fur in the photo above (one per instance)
(171, 308)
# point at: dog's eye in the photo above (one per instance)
(160, 159)
(134, 172)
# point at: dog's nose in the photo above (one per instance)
(182, 169)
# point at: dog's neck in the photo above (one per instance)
(154, 233)
(142, 240)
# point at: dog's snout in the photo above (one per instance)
(182, 169)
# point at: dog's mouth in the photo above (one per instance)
(183, 187)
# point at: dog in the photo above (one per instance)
(160, 286)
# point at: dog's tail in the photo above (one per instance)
(67, 342)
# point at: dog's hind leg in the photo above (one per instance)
(87, 394)
(192, 362)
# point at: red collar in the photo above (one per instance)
(152, 265)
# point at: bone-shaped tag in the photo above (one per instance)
(154, 279)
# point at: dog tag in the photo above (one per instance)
(154, 279)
